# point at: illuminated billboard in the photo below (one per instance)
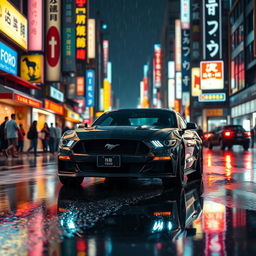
(32, 68)
(35, 25)
(80, 86)
(157, 66)
(177, 45)
(106, 95)
(91, 38)
(171, 93)
(81, 29)
(178, 86)
(8, 59)
(212, 97)
(105, 57)
(212, 75)
(185, 14)
(13, 24)
(90, 84)
(53, 40)
(195, 85)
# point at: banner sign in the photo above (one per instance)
(70, 85)
(185, 60)
(212, 25)
(171, 93)
(177, 46)
(91, 38)
(106, 95)
(178, 85)
(195, 30)
(80, 86)
(105, 57)
(53, 16)
(27, 100)
(195, 85)
(90, 84)
(56, 108)
(80, 108)
(68, 36)
(212, 97)
(8, 59)
(13, 24)
(81, 29)
(157, 66)
(212, 76)
(185, 14)
(32, 68)
(35, 25)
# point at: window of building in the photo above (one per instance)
(237, 73)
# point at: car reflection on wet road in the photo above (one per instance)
(38, 216)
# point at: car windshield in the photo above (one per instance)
(136, 117)
(234, 128)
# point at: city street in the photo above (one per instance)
(38, 216)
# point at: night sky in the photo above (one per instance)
(134, 26)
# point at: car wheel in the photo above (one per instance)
(198, 169)
(71, 181)
(179, 179)
(246, 147)
(222, 145)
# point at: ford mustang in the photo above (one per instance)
(137, 143)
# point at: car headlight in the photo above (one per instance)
(165, 143)
(68, 139)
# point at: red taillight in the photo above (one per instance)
(227, 134)
(248, 134)
(207, 135)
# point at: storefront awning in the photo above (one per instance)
(18, 80)
(11, 94)
(71, 115)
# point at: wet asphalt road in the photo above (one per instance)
(38, 216)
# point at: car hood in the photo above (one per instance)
(123, 132)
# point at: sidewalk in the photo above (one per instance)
(27, 160)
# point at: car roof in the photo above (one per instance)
(142, 109)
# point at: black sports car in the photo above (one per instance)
(141, 143)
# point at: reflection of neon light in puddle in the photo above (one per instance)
(228, 165)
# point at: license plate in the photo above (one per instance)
(108, 161)
(239, 134)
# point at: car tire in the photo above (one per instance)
(71, 181)
(246, 147)
(222, 145)
(179, 179)
(197, 174)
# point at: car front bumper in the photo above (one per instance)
(131, 166)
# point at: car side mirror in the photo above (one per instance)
(191, 126)
(82, 125)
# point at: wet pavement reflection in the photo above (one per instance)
(215, 216)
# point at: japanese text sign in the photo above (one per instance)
(185, 68)
(185, 14)
(157, 66)
(13, 24)
(105, 57)
(53, 40)
(212, 97)
(212, 25)
(81, 29)
(80, 86)
(90, 83)
(195, 85)
(212, 75)
(91, 38)
(35, 27)
(68, 36)
(177, 45)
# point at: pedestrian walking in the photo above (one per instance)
(53, 138)
(33, 137)
(11, 130)
(3, 139)
(58, 132)
(21, 136)
(45, 136)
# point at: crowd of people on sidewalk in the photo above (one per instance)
(12, 137)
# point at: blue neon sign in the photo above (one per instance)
(8, 59)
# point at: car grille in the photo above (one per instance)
(127, 147)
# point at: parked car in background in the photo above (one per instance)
(228, 136)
